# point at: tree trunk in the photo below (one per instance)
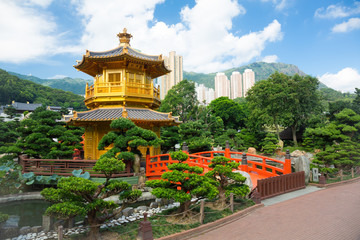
(277, 131)
(136, 165)
(293, 130)
(184, 207)
(94, 233)
(222, 198)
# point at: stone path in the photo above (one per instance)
(329, 214)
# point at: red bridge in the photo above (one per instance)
(259, 167)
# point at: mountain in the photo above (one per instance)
(13, 88)
(74, 85)
(262, 71)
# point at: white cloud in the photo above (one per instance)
(346, 80)
(270, 59)
(347, 26)
(203, 37)
(337, 11)
(279, 4)
(26, 32)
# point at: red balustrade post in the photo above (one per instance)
(147, 167)
(287, 164)
(227, 150)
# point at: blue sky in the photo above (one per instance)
(322, 37)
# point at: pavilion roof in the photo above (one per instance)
(93, 62)
(135, 114)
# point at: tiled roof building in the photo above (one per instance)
(123, 87)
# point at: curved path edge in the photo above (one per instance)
(211, 226)
(21, 197)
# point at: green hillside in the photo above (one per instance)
(74, 85)
(13, 88)
(262, 71)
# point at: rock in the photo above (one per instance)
(147, 189)
(141, 208)
(248, 178)
(146, 196)
(301, 162)
(25, 230)
(9, 232)
(154, 205)
(36, 229)
(114, 198)
(128, 211)
(251, 150)
(47, 223)
(297, 153)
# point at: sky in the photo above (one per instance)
(44, 38)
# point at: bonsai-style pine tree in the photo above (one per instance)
(182, 183)
(127, 135)
(43, 136)
(78, 196)
(228, 181)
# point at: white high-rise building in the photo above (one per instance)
(248, 80)
(204, 95)
(236, 85)
(175, 64)
(222, 85)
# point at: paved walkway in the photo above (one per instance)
(329, 214)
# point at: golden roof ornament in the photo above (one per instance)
(124, 38)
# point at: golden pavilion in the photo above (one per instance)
(123, 87)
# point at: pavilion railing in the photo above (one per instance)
(63, 167)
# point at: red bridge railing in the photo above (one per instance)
(262, 165)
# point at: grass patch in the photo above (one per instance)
(338, 179)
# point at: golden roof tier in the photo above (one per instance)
(122, 76)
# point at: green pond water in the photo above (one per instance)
(27, 213)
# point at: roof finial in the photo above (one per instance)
(124, 38)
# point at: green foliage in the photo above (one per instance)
(270, 144)
(43, 136)
(284, 100)
(11, 111)
(344, 155)
(228, 181)
(182, 183)
(109, 166)
(14, 89)
(181, 100)
(179, 155)
(10, 178)
(3, 217)
(170, 137)
(229, 111)
(126, 135)
(196, 135)
(79, 196)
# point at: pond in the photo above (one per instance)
(26, 213)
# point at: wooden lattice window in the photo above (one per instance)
(114, 77)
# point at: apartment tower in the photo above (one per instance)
(236, 85)
(248, 80)
(222, 85)
(175, 64)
